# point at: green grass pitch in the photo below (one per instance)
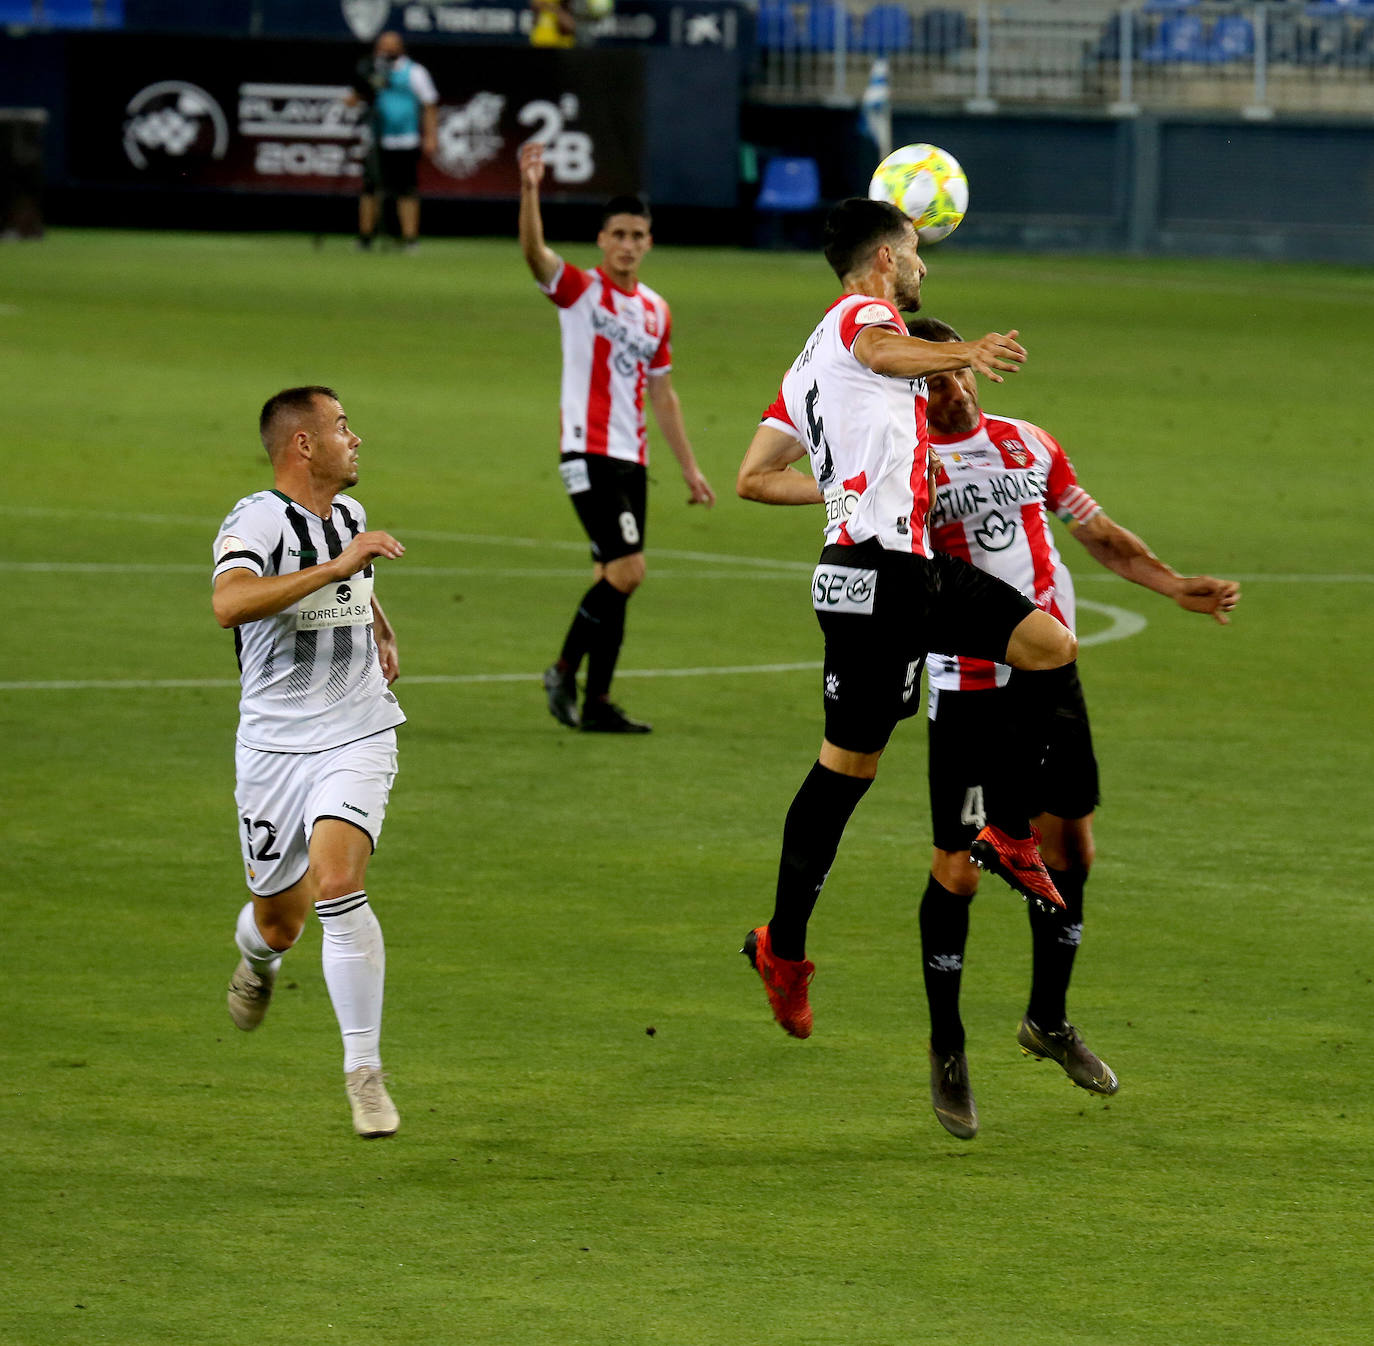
(563, 1175)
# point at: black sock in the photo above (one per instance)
(1055, 936)
(810, 838)
(944, 933)
(605, 646)
(587, 623)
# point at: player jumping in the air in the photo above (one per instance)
(999, 478)
(854, 400)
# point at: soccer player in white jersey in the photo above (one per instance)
(854, 400)
(617, 337)
(1000, 478)
(316, 743)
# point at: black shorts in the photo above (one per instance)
(392, 172)
(881, 612)
(610, 496)
(969, 733)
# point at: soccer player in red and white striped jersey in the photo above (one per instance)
(853, 401)
(616, 349)
(1000, 477)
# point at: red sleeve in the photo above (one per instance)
(778, 412)
(569, 285)
(1062, 475)
(663, 356)
(870, 313)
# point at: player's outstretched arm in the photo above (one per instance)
(1123, 552)
(668, 413)
(886, 351)
(241, 596)
(385, 636)
(767, 474)
(542, 261)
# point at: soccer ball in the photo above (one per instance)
(927, 184)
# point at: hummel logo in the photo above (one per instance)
(356, 809)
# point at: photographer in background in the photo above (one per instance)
(404, 120)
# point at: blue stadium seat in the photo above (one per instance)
(112, 14)
(823, 29)
(886, 29)
(1232, 39)
(1180, 37)
(69, 13)
(942, 31)
(16, 11)
(777, 29)
(790, 184)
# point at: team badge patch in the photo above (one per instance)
(1016, 451)
(871, 313)
(231, 543)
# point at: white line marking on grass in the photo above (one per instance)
(1123, 624)
(556, 544)
(440, 679)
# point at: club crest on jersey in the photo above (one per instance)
(1015, 450)
(231, 543)
(650, 320)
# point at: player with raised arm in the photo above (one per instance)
(1000, 478)
(854, 401)
(316, 743)
(616, 336)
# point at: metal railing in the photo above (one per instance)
(1260, 58)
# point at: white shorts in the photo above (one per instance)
(282, 795)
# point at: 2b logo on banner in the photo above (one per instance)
(568, 154)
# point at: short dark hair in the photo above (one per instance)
(856, 228)
(298, 401)
(625, 205)
(932, 329)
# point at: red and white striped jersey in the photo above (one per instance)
(865, 432)
(613, 341)
(994, 487)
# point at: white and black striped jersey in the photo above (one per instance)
(311, 678)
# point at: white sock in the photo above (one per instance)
(262, 958)
(354, 960)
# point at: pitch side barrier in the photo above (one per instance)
(177, 116)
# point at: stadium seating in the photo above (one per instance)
(16, 12)
(1180, 37)
(777, 28)
(942, 31)
(1232, 39)
(887, 29)
(68, 13)
(789, 184)
(823, 28)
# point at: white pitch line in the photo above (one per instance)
(774, 570)
(545, 544)
(439, 679)
(1123, 624)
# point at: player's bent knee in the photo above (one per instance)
(627, 573)
(846, 762)
(955, 871)
(1040, 642)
